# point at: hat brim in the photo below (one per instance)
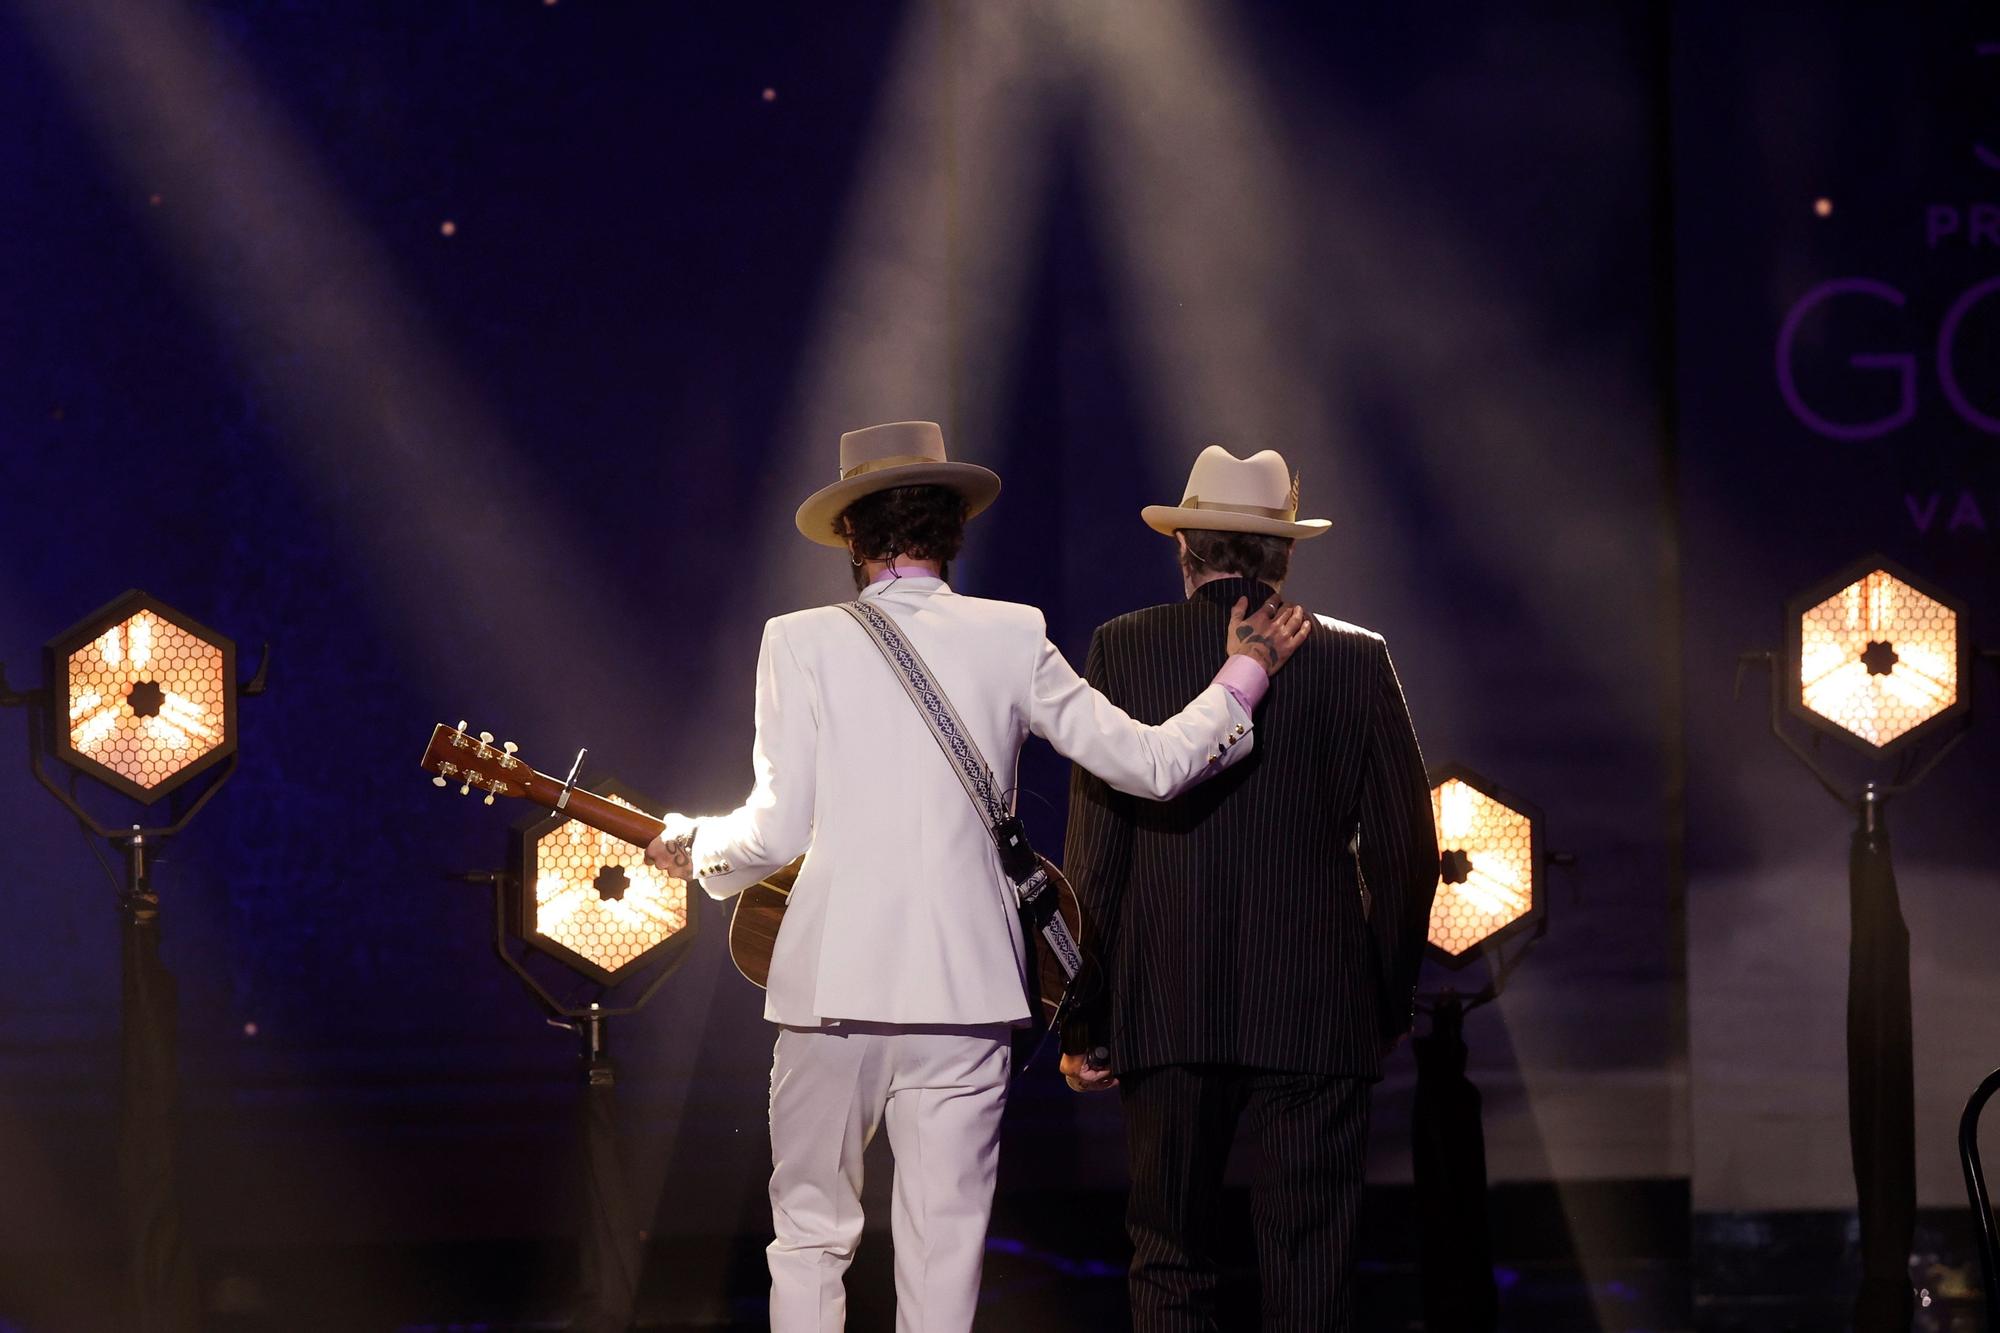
(1169, 519)
(979, 486)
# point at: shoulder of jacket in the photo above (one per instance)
(1141, 620)
(1008, 615)
(1346, 630)
(813, 621)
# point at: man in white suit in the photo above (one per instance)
(901, 966)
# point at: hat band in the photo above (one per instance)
(894, 460)
(1254, 511)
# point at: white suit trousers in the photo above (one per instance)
(942, 1090)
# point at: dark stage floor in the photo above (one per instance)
(1597, 1258)
(1602, 1258)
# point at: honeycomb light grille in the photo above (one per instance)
(147, 699)
(1487, 874)
(1879, 658)
(596, 897)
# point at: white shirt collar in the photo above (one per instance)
(909, 583)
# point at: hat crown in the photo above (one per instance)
(896, 442)
(1261, 481)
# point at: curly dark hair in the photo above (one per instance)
(919, 522)
(1251, 554)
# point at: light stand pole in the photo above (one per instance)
(162, 1267)
(609, 1251)
(1848, 638)
(154, 728)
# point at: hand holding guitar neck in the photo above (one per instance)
(1271, 634)
(476, 764)
(673, 850)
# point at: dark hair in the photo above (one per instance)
(921, 522)
(1250, 554)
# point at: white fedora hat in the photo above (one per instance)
(1230, 494)
(878, 458)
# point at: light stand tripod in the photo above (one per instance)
(160, 1266)
(609, 1248)
(1448, 1152)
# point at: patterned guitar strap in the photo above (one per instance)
(1034, 892)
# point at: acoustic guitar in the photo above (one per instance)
(476, 764)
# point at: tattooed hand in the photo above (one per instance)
(672, 849)
(1270, 636)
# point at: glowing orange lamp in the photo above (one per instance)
(143, 697)
(1489, 866)
(590, 900)
(1876, 656)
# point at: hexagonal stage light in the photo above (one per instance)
(1489, 866)
(590, 900)
(143, 697)
(1876, 656)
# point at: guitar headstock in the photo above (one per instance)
(455, 754)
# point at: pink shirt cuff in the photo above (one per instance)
(1244, 679)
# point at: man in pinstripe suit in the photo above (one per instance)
(1260, 934)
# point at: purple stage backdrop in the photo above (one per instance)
(1836, 290)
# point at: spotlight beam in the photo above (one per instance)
(381, 426)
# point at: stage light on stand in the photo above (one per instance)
(588, 900)
(1491, 892)
(1880, 659)
(142, 699)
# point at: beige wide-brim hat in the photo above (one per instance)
(1230, 494)
(878, 458)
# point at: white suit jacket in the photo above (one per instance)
(901, 913)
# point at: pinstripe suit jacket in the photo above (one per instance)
(1275, 916)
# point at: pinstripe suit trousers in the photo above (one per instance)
(1180, 1121)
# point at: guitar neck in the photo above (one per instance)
(632, 826)
(476, 764)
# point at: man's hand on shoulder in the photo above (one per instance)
(1271, 634)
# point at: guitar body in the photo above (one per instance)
(760, 911)
(1052, 983)
(753, 928)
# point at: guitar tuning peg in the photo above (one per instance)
(439, 782)
(466, 790)
(463, 724)
(486, 738)
(510, 747)
(488, 800)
